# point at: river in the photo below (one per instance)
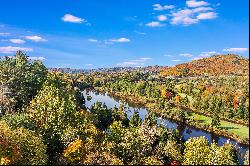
(185, 131)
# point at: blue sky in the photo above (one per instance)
(112, 33)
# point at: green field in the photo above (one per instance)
(242, 131)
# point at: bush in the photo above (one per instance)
(21, 146)
(129, 144)
(89, 152)
(199, 152)
(82, 131)
(246, 161)
(224, 155)
(152, 160)
(18, 120)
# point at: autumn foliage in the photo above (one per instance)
(212, 66)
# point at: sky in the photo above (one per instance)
(88, 34)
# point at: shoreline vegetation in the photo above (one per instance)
(191, 122)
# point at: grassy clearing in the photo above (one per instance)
(240, 130)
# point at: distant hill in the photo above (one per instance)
(215, 65)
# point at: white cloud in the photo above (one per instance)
(72, 19)
(135, 63)
(93, 40)
(4, 34)
(107, 42)
(17, 41)
(183, 17)
(207, 54)
(89, 65)
(159, 7)
(40, 58)
(201, 9)
(35, 38)
(162, 18)
(168, 55)
(193, 13)
(235, 50)
(128, 63)
(120, 40)
(140, 33)
(208, 15)
(145, 59)
(196, 58)
(176, 60)
(155, 24)
(194, 3)
(10, 49)
(186, 55)
(192, 16)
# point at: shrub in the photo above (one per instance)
(224, 155)
(246, 161)
(21, 146)
(129, 144)
(197, 152)
(83, 130)
(89, 152)
(18, 120)
(152, 160)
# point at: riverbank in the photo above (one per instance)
(230, 130)
(238, 121)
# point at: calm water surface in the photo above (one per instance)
(185, 131)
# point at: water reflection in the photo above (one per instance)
(185, 131)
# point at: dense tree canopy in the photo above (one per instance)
(45, 119)
(20, 80)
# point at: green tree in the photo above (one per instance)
(101, 115)
(196, 152)
(215, 119)
(223, 155)
(52, 111)
(135, 119)
(150, 119)
(20, 80)
(216, 113)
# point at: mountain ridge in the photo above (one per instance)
(223, 64)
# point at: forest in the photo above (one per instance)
(44, 118)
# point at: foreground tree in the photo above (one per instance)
(246, 161)
(20, 80)
(52, 111)
(199, 152)
(21, 147)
